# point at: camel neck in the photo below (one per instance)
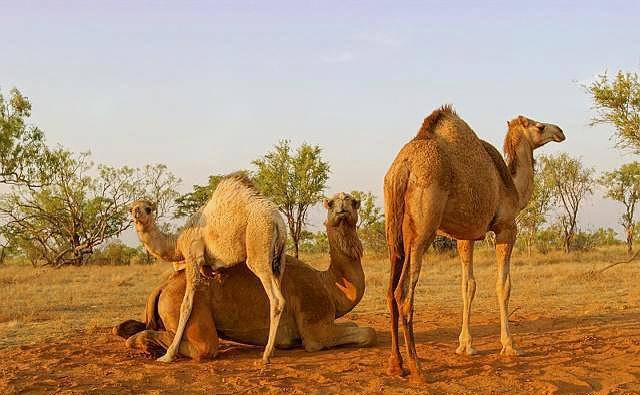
(346, 274)
(159, 244)
(523, 175)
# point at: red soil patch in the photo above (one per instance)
(589, 354)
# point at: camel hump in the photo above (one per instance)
(240, 177)
(431, 122)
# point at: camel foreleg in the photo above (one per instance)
(468, 289)
(504, 247)
(193, 269)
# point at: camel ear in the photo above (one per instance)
(356, 203)
(327, 203)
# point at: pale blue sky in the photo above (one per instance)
(206, 87)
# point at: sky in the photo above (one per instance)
(206, 87)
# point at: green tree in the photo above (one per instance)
(533, 216)
(570, 182)
(617, 102)
(294, 181)
(81, 207)
(22, 148)
(160, 185)
(370, 222)
(623, 185)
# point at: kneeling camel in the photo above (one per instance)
(236, 225)
(236, 308)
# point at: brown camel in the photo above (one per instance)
(236, 308)
(448, 181)
(236, 225)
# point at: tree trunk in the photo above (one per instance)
(629, 243)
(296, 248)
(567, 243)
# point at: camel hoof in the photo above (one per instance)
(510, 351)
(466, 350)
(417, 378)
(396, 369)
(166, 358)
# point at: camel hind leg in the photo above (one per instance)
(405, 294)
(422, 217)
(395, 360)
(266, 259)
(271, 285)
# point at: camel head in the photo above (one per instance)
(342, 208)
(143, 212)
(536, 133)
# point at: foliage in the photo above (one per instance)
(533, 216)
(22, 148)
(118, 253)
(623, 185)
(605, 237)
(444, 244)
(314, 242)
(370, 222)
(570, 183)
(617, 102)
(294, 181)
(64, 221)
(160, 186)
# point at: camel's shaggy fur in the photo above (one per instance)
(237, 309)
(446, 180)
(236, 225)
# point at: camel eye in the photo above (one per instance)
(540, 127)
(148, 210)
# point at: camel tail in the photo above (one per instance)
(278, 246)
(394, 191)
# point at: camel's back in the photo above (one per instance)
(473, 184)
(234, 207)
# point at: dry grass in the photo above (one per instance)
(42, 303)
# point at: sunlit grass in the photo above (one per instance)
(41, 303)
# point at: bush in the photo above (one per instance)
(118, 253)
(443, 244)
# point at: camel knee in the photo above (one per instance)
(312, 346)
(471, 288)
(369, 337)
(205, 352)
(278, 305)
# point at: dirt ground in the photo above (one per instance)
(580, 334)
(590, 354)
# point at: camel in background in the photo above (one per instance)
(236, 225)
(237, 309)
(448, 181)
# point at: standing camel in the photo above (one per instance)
(237, 309)
(236, 225)
(448, 181)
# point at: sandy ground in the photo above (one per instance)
(581, 334)
(588, 354)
